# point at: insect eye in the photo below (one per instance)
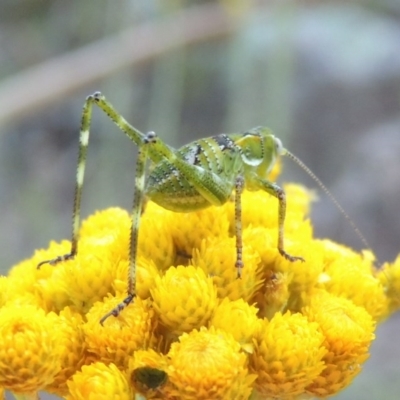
(278, 145)
(150, 137)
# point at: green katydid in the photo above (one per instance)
(200, 174)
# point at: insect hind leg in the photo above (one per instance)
(138, 200)
(144, 142)
(80, 173)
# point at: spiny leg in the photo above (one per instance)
(132, 133)
(134, 235)
(278, 192)
(80, 173)
(239, 184)
(142, 141)
(156, 152)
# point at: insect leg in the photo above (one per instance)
(136, 214)
(80, 173)
(239, 184)
(278, 192)
(132, 133)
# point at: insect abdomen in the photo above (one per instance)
(169, 188)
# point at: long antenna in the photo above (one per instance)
(329, 194)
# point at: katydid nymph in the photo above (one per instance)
(200, 174)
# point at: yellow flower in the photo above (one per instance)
(109, 228)
(239, 319)
(43, 283)
(194, 331)
(146, 273)
(287, 356)
(351, 275)
(261, 209)
(30, 349)
(348, 332)
(208, 364)
(69, 325)
(190, 229)
(99, 382)
(285, 282)
(89, 276)
(156, 240)
(184, 298)
(304, 276)
(217, 259)
(389, 276)
(118, 338)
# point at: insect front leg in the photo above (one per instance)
(279, 193)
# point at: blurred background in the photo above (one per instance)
(325, 76)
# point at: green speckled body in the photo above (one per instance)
(220, 159)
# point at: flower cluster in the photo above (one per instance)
(195, 331)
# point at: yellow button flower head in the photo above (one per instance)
(184, 298)
(207, 364)
(43, 283)
(239, 319)
(265, 214)
(285, 282)
(99, 382)
(146, 272)
(89, 276)
(351, 275)
(155, 236)
(263, 240)
(190, 229)
(251, 216)
(117, 339)
(287, 356)
(110, 228)
(69, 325)
(217, 259)
(30, 349)
(389, 276)
(348, 331)
(303, 275)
